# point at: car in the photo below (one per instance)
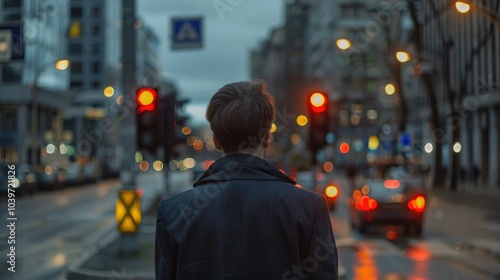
(26, 181)
(50, 178)
(388, 201)
(73, 175)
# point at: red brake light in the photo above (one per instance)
(366, 203)
(331, 191)
(391, 184)
(417, 204)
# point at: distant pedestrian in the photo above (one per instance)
(244, 219)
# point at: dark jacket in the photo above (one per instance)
(244, 219)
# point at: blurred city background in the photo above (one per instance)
(98, 98)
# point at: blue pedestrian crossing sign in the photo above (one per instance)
(187, 33)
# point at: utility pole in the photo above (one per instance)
(128, 241)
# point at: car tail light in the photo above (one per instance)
(391, 184)
(417, 204)
(331, 191)
(366, 203)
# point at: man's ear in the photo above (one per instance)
(267, 139)
(217, 144)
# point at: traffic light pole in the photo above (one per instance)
(128, 241)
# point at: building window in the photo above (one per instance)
(8, 119)
(12, 16)
(95, 12)
(96, 49)
(76, 12)
(12, 3)
(96, 67)
(76, 84)
(96, 85)
(11, 73)
(76, 68)
(75, 48)
(96, 29)
(351, 10)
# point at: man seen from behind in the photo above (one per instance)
(244, 219)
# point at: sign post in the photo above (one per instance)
(129, 243)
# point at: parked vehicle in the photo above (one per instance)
(73, 175)
(26, 180)
(50, 178)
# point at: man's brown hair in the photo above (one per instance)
(240, 114)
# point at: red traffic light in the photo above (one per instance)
(146, 99)
(318, 102)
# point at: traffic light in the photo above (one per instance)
(318, 117)
(147, 119)
(172, 119)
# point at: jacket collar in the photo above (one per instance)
(242, 167)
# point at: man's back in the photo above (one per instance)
(245, 220)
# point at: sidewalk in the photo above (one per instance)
(484, 198)
(108, 263)
(105, 260)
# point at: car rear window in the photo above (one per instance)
(377, 188)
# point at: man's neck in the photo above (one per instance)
(259, 152)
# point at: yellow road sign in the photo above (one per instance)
(128, 211)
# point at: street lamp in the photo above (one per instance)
(402, 56)
(61, 65)
(343, 44)
(464, 7)
(390, 89)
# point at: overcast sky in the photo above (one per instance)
(232, 28)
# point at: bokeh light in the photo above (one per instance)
(109, 91)
(344, 148)
(328, 166)
(428, 148)
(144, 165)
(390, 89)
(295, 138)
(302, 120)
(186, 130)
(273, 127)
(158, 165)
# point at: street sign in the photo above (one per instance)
(128, 211)
(17, 42)
(187, 33)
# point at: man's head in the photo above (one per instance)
(240, 116)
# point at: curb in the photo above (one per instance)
(486, 249)
(76, 272)
(476, 267)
